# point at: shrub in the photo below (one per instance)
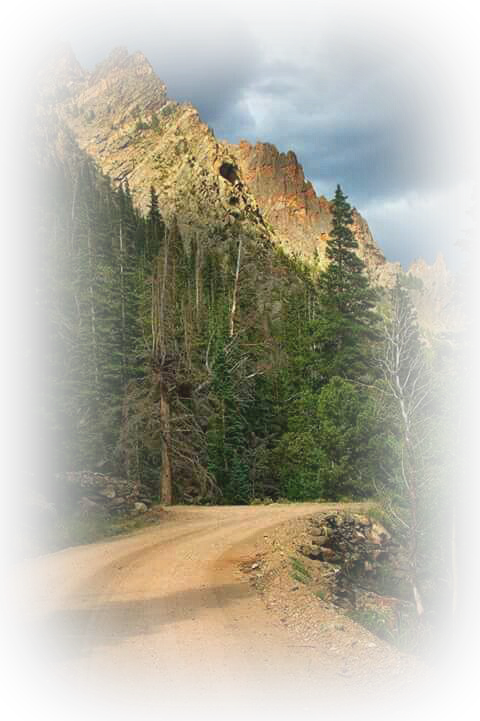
(299, 571)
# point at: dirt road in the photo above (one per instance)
(162, 624)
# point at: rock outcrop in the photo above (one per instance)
(369, 577)
(300, 219)
(97, 492)
(121, 116)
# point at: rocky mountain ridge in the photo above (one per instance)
(121, 116)
(301, 222)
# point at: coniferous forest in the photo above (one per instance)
(136, 354)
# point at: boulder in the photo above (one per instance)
(107, 492)
(87, 507)
(117, 502)
(357, 546)
(311, 552)
(378, 534)
(140, 507)
(99, 491)
(328, 554)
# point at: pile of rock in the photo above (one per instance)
(361, 550)
(98, 492)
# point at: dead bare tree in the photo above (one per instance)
(160, 360)
(409, 384)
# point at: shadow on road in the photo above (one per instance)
(78, 631)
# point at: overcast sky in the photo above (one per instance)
(367, 104)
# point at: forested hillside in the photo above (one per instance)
(220, 370)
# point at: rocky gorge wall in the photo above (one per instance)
(122, 117)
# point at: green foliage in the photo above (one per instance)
(227, 437)
(411, 282)
(375, 621)
(350, 440)
(334, 446)
(299, 572)
(168, 110)
(140, 125)
(280, 401)
(404, 631)
(346, 329)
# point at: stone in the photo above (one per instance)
(310, 552)
(87, 505)
(107, 492)
(140, 507)
(318, 532)
(327, 554)
(381, 531)
(117, 502)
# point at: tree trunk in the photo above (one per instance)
(235, 289)
(93, 316)
(166, 477)
(412, 483)
(123, 314)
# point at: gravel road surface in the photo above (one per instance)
(163, 624)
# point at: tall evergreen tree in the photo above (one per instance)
(155, 227)
(347, 324)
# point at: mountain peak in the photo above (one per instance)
(302, 220)
(421, 269)
(121, 61)
(122, 117)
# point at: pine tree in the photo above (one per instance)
(155, 231)
(347, 323)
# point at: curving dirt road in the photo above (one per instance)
(162, 624)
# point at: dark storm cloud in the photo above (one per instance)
(356, 109)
